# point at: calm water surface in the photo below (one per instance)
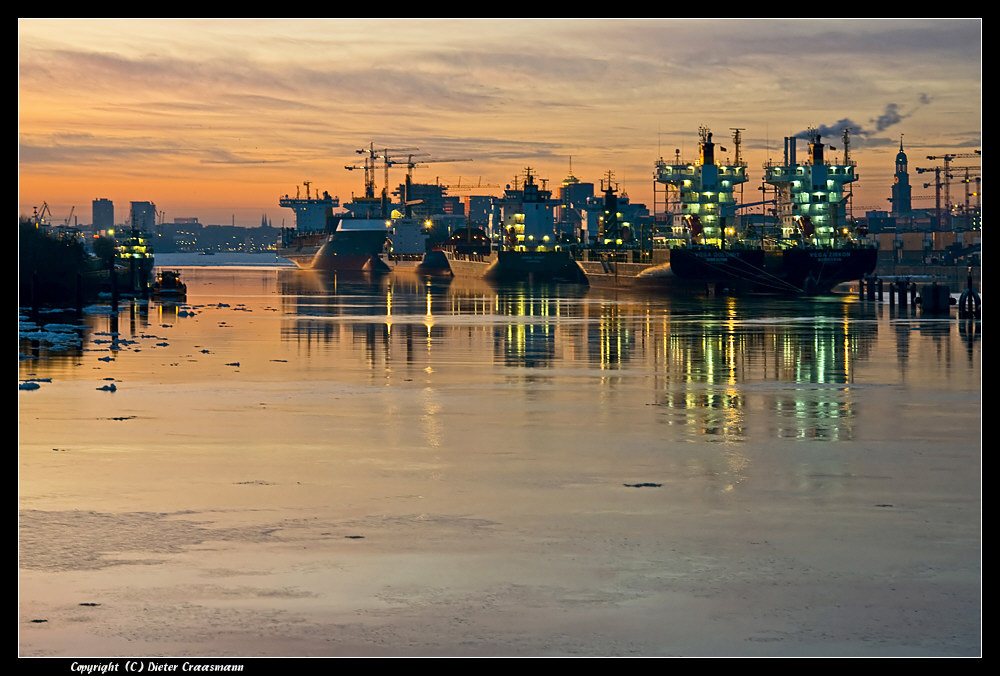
(274, 396)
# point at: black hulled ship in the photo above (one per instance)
(811, 249)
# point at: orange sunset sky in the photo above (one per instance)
(217, 119)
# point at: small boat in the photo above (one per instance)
(168, 285)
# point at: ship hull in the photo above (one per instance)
(435, 264)
(818, 271)
(301, 258)
(734, 268)
(535, 266)
(507, 267)
(352, 251)
(302, 249)
(807, 271)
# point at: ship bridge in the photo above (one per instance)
(705, 192)
(310, 212)
(812, 195)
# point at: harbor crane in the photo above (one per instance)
(411, 163)
(41, 216)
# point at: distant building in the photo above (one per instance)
(428, 199)
(181, 235)
(478, 208)
(142, 215)
(574, 197)
(103, 217)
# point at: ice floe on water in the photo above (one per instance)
(54, 336)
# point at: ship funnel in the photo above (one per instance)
(790, 143)
(816, 150)
(708, 150)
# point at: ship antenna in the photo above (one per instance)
(737, 139)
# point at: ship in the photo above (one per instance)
(812, 248)
(355, 246)
(300, 243)
(331, 237)
(528, 249)
(168, 286)
(134, 262)
(817, 247)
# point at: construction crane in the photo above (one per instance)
(373, 156)
(70, 217)
(478, 185)
(947, 158)
(411, 163)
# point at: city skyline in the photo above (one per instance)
(217, 119)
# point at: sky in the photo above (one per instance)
(217, 119)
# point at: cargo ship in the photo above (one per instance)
(331, 237)
(300, 243)
(528, 249)
(812, 248)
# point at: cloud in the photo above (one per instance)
(890, 116)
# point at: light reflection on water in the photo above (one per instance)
(720, 369)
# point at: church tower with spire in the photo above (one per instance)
(901, 191)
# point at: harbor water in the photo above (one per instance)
(287, 463)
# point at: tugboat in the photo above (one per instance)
(168, 286)
(815, 249)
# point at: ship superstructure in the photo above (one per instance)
(813, 249)
(134, 261)
(706, 193)
(527, 216)
(310, 212)
(529, 249)
(812, 196)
